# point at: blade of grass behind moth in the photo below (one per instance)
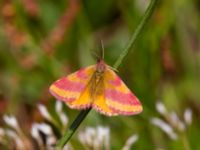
(136, 34)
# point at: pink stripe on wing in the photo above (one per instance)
(66, 84)
(116, 82)
(81, 74)
(124, 98)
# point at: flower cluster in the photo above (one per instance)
(95, 138)
(99, 138)
(172, 125)
(42, 135)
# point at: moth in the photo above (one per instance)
(98, 87)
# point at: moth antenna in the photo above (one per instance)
(94, 53)
(102, 46)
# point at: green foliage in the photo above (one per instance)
(38, 46)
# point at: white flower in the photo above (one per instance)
(11, 121)
(174, 118)
(188, 116)
(63, 118)
(58, 106)
(161, 108)
(97, 138)
(19, 143)
(165, 127)
(51, 140)
(103, 136)
(177, 122)
(35, 133)
(43, 110)
(174, 123)
(130, 141)
(68, 146)
(87, 137)
(61, 114)
(45, 128)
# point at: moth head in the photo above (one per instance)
(101, 66)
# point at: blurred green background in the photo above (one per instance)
(41, 41)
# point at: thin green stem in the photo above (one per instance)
(72, 128)
(137, 32)
(134, 37)
(185, 141)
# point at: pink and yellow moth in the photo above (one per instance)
(99, 87)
